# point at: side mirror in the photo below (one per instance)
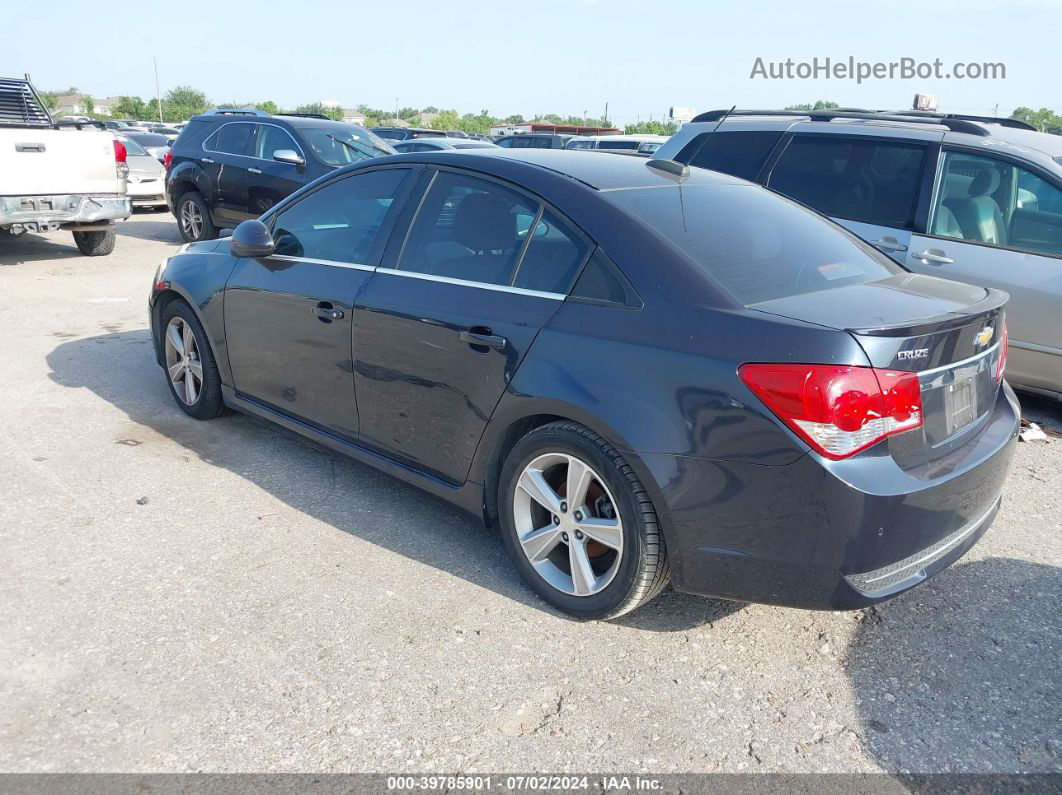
(288, 156)
(252, 239)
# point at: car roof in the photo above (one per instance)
(599, 170)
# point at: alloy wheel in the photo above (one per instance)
(191, 220)
(567, 524)
(183, 363)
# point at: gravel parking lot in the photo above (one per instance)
(224, 596)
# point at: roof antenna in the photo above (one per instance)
(681, 169)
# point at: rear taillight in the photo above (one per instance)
(1001, 360)
(838, 410)
(120, 155)
(167, 160)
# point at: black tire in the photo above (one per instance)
(207, 230)
(643, 569)
(95, 244)
(208, 403)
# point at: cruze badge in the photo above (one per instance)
(917, 353)
(984, 336)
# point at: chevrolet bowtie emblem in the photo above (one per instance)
(984, 336)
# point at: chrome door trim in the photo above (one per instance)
(498, 288)
(329, 262)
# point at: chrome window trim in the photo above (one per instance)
(499, 288)
(357, 266)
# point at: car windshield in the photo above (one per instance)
(342, 144)
(132, 147)
(149, 139)
(757, 245)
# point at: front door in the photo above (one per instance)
(288, 317)
(996, 224)
(439, 337)
(269, 180)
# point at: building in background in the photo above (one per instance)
(548, 127)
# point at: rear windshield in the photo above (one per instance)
(149, 139)
(756, 245)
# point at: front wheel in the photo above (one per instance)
(95, 244)
(191, 370)
(579, 525)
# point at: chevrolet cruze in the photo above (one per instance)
(639, 371)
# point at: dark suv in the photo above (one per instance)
(231, 165)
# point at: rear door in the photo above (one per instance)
(269, 180)
(226, 157)
(289, 317)
(997, 223)
(441, 332)
(869, 183)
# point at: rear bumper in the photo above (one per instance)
(829, 535)
(46, 213)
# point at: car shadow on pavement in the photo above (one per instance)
(163, 230)
(963, 673)
(326, 485)
(29, 247)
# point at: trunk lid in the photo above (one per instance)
(949, 333)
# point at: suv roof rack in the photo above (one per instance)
(1002, 121)
(235, 112)
(308, 116)
(954, 124)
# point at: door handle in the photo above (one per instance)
(254, 170)
(327, 312)
(888, 243)
(478, 336)
(207, 160)
(934, 255)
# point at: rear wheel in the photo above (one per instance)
(579, 525)
(95, 244)
(193, 218)
(191, 370)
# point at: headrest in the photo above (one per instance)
(986, 182)
(483, 223)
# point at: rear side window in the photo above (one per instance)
(554, 253)
(233, 139)
(756, 245)
(339, 222)
(741, 154)
(874, 182)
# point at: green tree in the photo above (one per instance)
(90, 106)
(651, 128)
(1044, 120)
(269, 106)
(317, 107)
(821, 104)
(131, 108)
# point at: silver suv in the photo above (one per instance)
(974, 199)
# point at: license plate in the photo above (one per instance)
(960, 404)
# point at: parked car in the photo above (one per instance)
(533, 141)
(632, 143)
(227, 166)
(146, 183)
(164, 129)
(118, 126)
(155, 144)
(53, 176)
(969, 198)
(406, 133)
(641, 371)
(439, 144)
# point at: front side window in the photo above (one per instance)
(985, 200)
(271, 140)
(340, 222)
(873, 182)
(233, 139)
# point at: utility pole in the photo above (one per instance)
(605, 117)
(158, 97)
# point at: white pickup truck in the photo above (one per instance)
(57, 175)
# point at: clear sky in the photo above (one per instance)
(533, 56)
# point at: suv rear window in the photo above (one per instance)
(741, 154)
(757, 246)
